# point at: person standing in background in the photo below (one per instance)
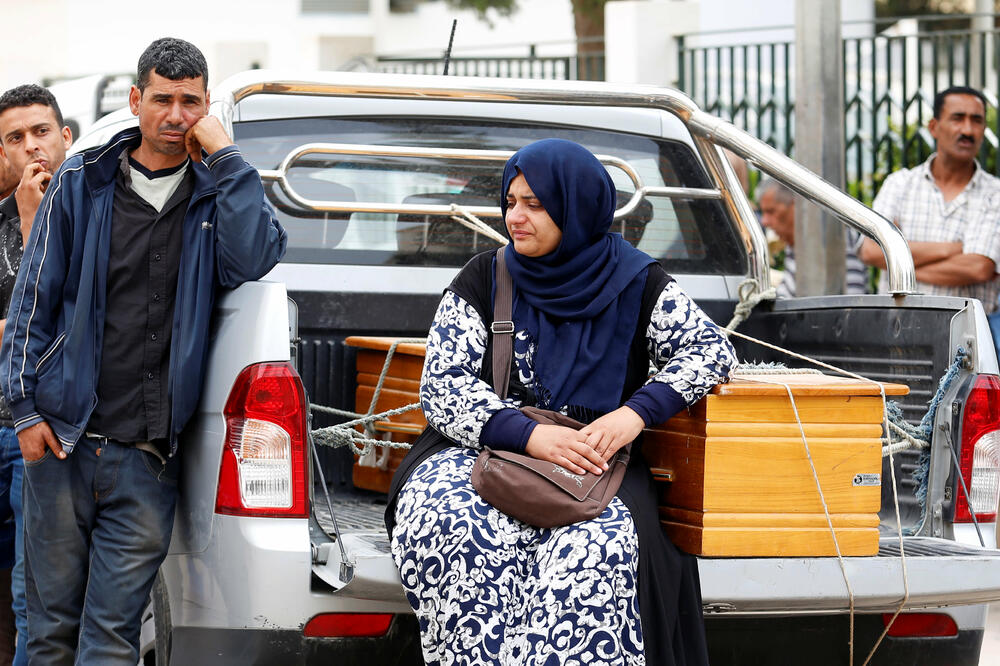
(33, 142)
(8, 177)
(777, 213)
(947, 207)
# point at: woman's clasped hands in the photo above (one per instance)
(588, 449)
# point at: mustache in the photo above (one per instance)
(966, 137)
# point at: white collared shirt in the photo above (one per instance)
(911, 199)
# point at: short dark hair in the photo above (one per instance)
(173, 59)
(782, 193)
(29, 94)
(955, 90)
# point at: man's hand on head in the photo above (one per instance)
(207, 133)
(36, 439)
(29, 194)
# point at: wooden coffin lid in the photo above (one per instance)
(804, 385)
(378, 343)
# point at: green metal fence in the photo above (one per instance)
(890, 79)
(582, 61)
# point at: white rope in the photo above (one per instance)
(344, 434)
(826, 513)
(750, 295)
(470, 221)
(377, 393)
(798, 356)
(899, 532)
(748, 371)
(908, 441)
(363, 419)
(895, 493)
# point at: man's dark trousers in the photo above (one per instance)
(12, 540)
(112, 505)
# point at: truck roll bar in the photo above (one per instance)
(499, 157)
(710, 133)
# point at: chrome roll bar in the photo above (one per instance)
(296, 155)
(709, 133)
(899, 261)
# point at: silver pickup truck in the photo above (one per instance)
(362, 169)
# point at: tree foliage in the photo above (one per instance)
(890, 8)
(482, 7)
(588, 16)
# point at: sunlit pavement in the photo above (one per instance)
(990, 656)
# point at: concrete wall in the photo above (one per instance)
(640, 39)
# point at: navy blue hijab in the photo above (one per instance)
(581, 301)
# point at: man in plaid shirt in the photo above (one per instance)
(948, 208)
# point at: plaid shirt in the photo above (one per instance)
(912, 200)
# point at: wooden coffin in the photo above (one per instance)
(741, 483)
(401, 387)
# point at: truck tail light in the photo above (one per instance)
(979, 458)
(264, 469)
(921, 625)
(348, 625)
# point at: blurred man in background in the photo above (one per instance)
(777, 211)
(8, 178)
(33, 140)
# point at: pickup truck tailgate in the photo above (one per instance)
(939, 573)
(370, 572)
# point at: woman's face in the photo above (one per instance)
(530, 227)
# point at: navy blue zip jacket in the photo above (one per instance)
(52, 344)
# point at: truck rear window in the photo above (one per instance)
(693, 237)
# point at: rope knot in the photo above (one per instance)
(750, 295)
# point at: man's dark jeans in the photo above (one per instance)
(96, 529)
(11, 474)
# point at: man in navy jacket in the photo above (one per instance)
(104, 351)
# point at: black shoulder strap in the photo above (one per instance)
(502, 327)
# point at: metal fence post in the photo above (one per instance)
(681, 83)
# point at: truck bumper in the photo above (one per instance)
(821, 640)
(289, 647)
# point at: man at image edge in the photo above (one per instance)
(114, 300)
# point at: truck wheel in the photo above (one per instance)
(154, 634)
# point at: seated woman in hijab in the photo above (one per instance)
(590, 314)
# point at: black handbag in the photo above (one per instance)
(534, 491)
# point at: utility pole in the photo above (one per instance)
(982, 70)
(820, 250)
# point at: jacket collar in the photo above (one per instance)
(100, 164)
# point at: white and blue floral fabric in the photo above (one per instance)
(489, 589)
